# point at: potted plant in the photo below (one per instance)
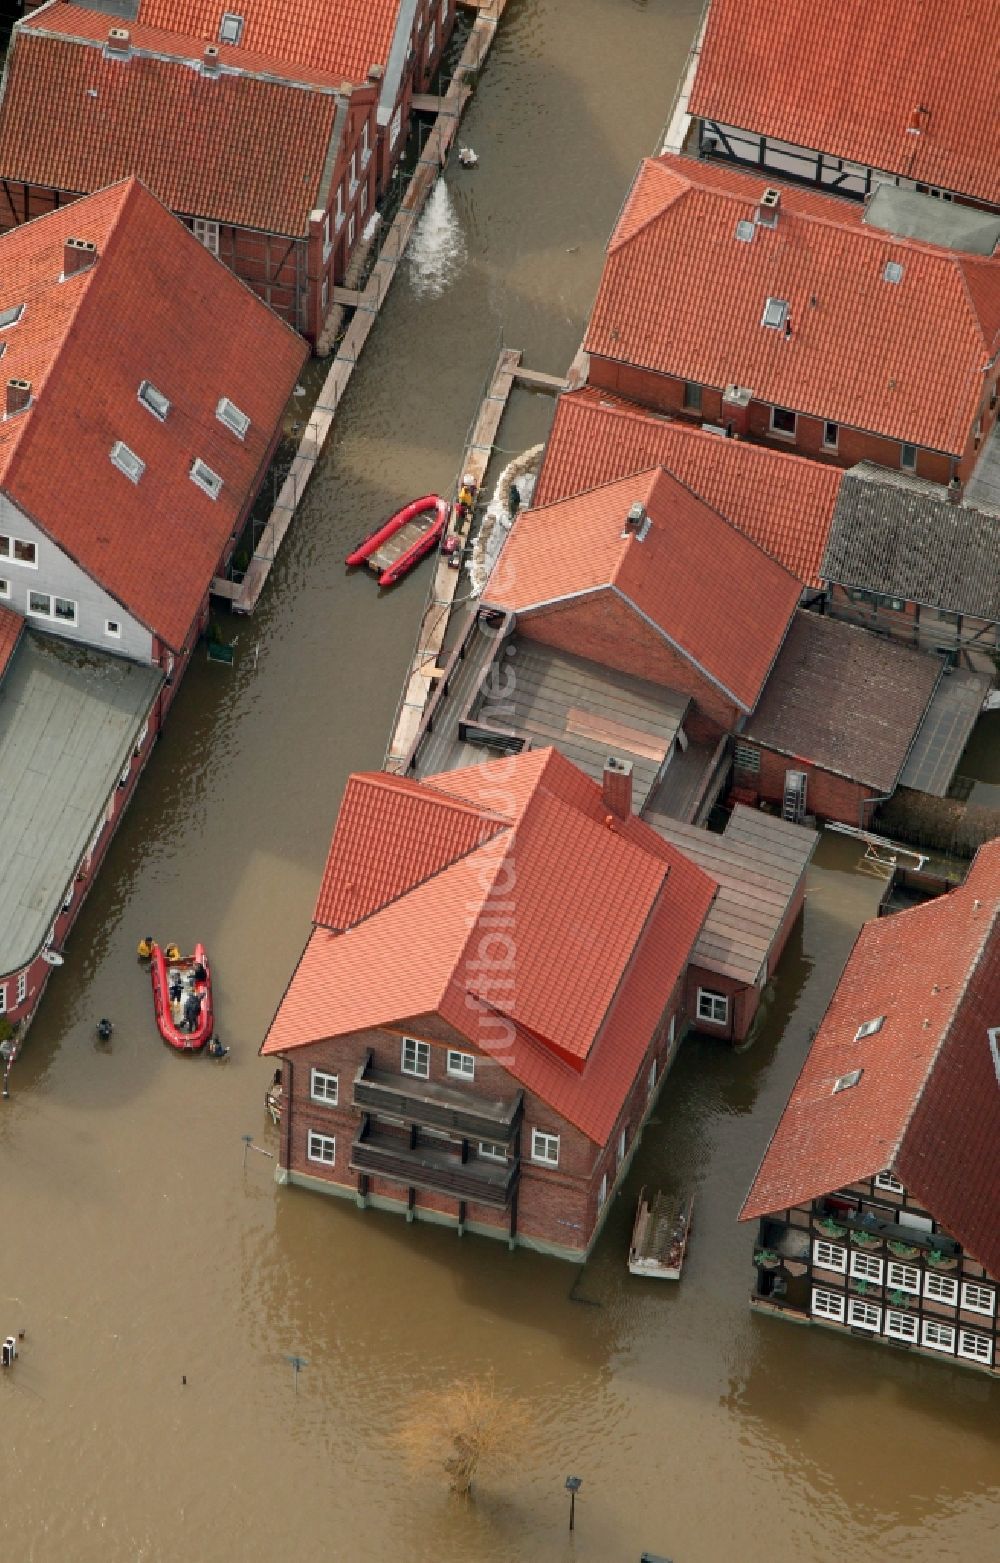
(829, 1227)
(862, 1287)
(939, 1260)
(862, 1239)
(766, 1259)
(903, 1250)
(900, 1300)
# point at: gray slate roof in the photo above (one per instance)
(902, 537)
(69, 719)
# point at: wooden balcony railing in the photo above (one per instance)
(435, 1106)
(426, 1167)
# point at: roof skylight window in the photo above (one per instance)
(869, 1028)
(893, 272)
(208, 481)
(236, 421)
(231, 28)
(846, 1081)
(10, 317)
(744, 231)
(775, 313)
(127, 461)
(158, 404)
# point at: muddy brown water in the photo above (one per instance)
(136, 1249)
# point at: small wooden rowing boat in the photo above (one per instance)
(660, 1236)
(182, 998)
(401, 542)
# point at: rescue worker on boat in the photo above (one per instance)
(172, 952)
(146, 947)
(466, 500)
(192, 1011)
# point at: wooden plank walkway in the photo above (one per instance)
(366, 304)
(444, 585)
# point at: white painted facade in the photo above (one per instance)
(749, 150)
(54, 574)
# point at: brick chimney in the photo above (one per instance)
(375, 72)
(767, 208)
(616, 786)
(18, 396)
(78, 255)
(210, 60)
(955, 491)
(736, 401)
(637, 521)
(120, 42)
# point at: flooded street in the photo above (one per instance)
(138, 1249)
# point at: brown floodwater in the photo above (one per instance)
(138, 1249)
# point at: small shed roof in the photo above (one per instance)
(902, 537)
(11, 626)
(844, 700)
(758, 861)
(69, 719)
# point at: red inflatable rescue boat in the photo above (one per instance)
(182, 998)
(402, 541)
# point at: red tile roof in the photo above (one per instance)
(681, 576)
(681, 295)
(848, 81)
(248, 149)
(601, 922)
(155, 306)
(782, 501)
(11, 627)
(339, 37)
(927, 1106)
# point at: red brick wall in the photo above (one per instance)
(605, 629)
(827, 796)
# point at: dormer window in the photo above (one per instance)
(154, 400)
(775, 314)
(127, 461)
(208, 481)
(845, 1082)
(236, 421)
(10, 317)
(869, 1028)
(231, 28)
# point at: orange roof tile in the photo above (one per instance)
(600, 920)
(340, 37)
(244, 148)
(783, 501)
(848, 81)
(155, 306)
(11, 628)
(927, 1105)
(681, 295)
(680, 576)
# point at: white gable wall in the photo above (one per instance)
(57, 575)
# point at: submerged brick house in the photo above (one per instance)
(134, 439)
(489, 1000)
(877, 1196)
(853, 97)
(271, 133)
(787, 317)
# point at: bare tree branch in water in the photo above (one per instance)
(461, 1429)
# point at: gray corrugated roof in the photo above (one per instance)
(758, 861)
(901, 537)
(912, 215)
(69, 718)
(944, 732)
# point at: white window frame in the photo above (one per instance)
(829, 1256)
(203, 477)
(3, 998)
(904, 464)
(366, 149)
(885, 1180)
(431, 40)
(419, 1054)
(143, 734)
(828, 444)
(4, 587)
(651, 1080)
(338, 214)
(22, 986)
(784, 434)
(12, 543)
(207, 234)
(10, 316)
(986, 1298)
(38, 613)
(971, 1344)
(65, 618)
(708, 1002)
(945, 1334)
(826, 1304)
(232, 418)
(868, 1028)
(900, 1326)
(622, 1145)
(461, 1066)
(352, 228)
(113, 628)
(324, 1088)
(364, 199)
(867, 1267)
(126, 461)
(154, 400)
(544, 1148)
(602, 1192)
(941, 1288)
(327, 240)
(316, 1148)
(489, 1151)
(395, 127)
(864, 1315)
(231, 16)
(352, 175)
(902, 1278)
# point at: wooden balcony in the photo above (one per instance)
(440, 1171)
(434, 1106)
